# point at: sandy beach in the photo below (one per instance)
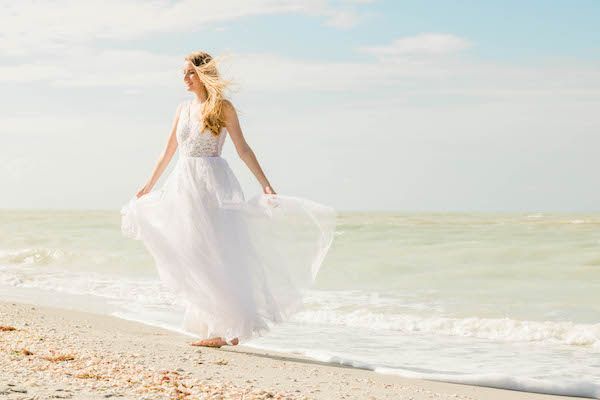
(55, 353)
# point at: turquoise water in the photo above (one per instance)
(506, 300)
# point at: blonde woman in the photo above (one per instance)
(238, 265)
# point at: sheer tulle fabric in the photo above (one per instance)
(238, 264)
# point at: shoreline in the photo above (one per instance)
(73, 354)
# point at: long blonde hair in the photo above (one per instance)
(205, 65)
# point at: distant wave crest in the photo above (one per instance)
(505, 329)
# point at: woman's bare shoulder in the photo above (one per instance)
(228, 105)
(229, 110)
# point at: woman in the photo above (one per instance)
(238, 264)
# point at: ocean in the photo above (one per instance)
(509, 300)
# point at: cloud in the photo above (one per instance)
(423, 44)
(343, 19)
(86, 67)
(427, 77)
(424, 64)
(50, 27)
(15, 169)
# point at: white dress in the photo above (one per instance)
(238, 264)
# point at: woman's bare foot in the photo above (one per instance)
(215, 342)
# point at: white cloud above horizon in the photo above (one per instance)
(31, 27)
(422, 44)
(271, 72)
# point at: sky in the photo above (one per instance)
(433, 106)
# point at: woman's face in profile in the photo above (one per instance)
(190, 77)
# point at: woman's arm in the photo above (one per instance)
(164, 158)
(243, 149)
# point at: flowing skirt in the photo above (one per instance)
(238, 264)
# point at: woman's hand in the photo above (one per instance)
(268, 190)
(144, 190)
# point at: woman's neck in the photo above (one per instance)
(200, 97)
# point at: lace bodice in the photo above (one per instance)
(191, 141)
